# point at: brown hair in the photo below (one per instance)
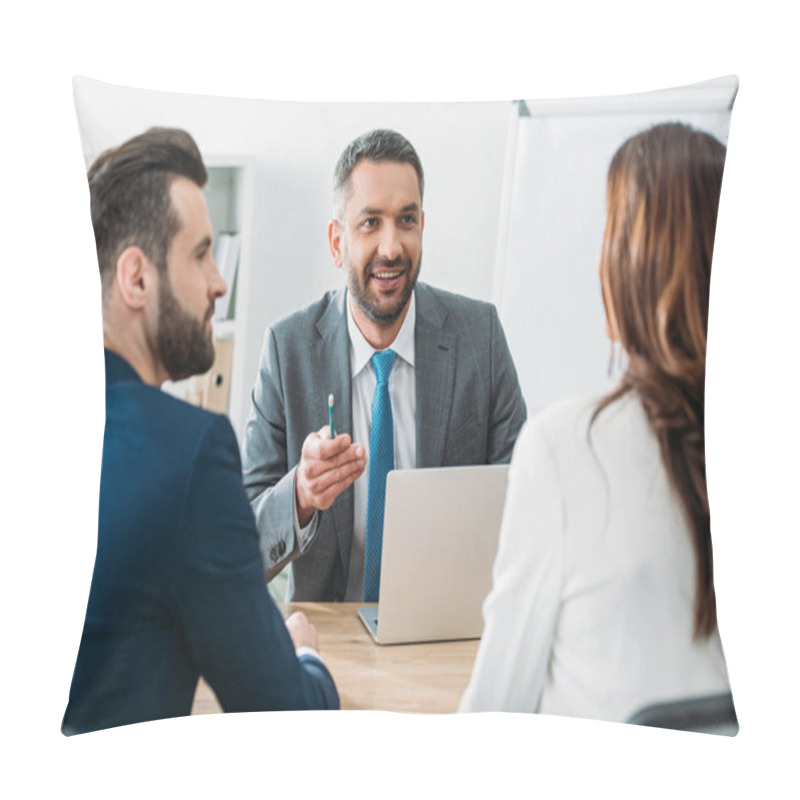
(129, 189)
(663, 195)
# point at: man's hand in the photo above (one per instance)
(327, 467)
(302, 632)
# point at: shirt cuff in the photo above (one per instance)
(308, 651)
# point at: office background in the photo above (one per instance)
(514, 206)
(53, 429)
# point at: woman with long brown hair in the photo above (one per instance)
(603, 596)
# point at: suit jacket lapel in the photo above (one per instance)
(434, 368)
(332, 361)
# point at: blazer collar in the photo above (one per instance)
(332, 322)
(434, 367)
(118, 369)
(428, 307)
(330, 354)
(435, 371)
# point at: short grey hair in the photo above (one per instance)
(378, 145)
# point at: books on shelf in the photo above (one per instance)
(226, 254)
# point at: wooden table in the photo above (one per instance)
(425, 678)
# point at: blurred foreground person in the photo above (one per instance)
(603, 595)
(178, 587)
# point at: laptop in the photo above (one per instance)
(440, 533)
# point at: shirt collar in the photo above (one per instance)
(361, 351)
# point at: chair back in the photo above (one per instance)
(711, 714)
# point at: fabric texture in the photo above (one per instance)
(469, 411)
(592, 607)
(178, 586)
(381, 462)
(402, 392)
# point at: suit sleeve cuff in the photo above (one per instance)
(308, 651)
(304, 536)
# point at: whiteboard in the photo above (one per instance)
(546, 283)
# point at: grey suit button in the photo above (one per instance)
(277, 550)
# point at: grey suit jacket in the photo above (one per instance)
(469, 411)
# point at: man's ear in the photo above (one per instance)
(335, 237)
(134, 277)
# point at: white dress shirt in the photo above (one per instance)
(592, 607)
(402, 391)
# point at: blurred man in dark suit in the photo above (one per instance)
(178, 587)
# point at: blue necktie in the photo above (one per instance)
(381, 460)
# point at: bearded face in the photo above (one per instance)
(184, 343)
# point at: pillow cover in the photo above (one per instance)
(515, 198)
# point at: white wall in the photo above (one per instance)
(547, 288)
(534, 185)
(295, 147)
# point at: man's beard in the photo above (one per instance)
(183, 345)
(357, 286)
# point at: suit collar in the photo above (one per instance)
(330, 355)
(331, 323)
(429, 307)
(118, 369)
(435, 377)
(435, 362)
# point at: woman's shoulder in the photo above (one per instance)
(562, 420)
(571, 426)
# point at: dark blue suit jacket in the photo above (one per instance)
(178, 587)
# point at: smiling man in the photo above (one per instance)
(420, 377)
(178, 589)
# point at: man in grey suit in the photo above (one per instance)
(453, 389)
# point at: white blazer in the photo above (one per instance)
(592, 606)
